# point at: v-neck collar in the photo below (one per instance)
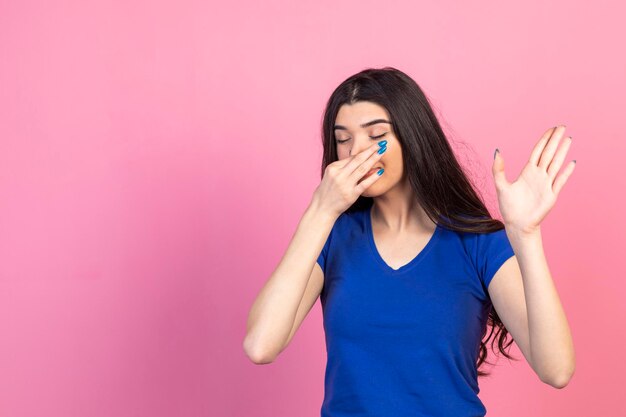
(379, 259)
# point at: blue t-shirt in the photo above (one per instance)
(405, 342)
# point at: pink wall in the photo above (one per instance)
(155, 158)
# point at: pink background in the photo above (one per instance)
(155, 158)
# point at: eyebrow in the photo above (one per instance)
(364, 125)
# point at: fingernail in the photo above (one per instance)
(382, 143)
(495, 152)
(380, 171)
(383, 149)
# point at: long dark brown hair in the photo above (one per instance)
(436, 177)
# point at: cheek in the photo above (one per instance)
(392, 159)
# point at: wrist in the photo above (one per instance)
(523, 233)
(317, 210)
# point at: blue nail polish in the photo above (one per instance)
(382, 143)
(380, 171)
(383, 149)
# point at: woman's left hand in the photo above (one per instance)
(526, 202)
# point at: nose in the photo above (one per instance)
(359, 145)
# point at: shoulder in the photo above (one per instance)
(339, 227)
(476, 240)
(349, 219)
(486, 251)
(482, 244)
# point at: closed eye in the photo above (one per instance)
(373, 137)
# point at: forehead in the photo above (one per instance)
(354, 115)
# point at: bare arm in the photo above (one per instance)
(527, 301)
(294, 285)
(274, 311)
(531, 303)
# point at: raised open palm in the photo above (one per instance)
(525, 202)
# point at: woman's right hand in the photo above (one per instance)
(341, 186)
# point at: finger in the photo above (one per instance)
(555, 166)
(363, 154)
(550, 149)
(369, 164)
(562, 179)
(536, 153)
(499, 176)
(367, 182)
(355, 161)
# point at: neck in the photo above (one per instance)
(399, 210)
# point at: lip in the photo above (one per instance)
(371, 171)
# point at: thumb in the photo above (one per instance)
(499, 176)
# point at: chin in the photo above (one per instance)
(374, 190)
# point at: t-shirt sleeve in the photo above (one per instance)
(493, 249)
(321, 259)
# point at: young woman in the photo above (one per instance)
(411, 267)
